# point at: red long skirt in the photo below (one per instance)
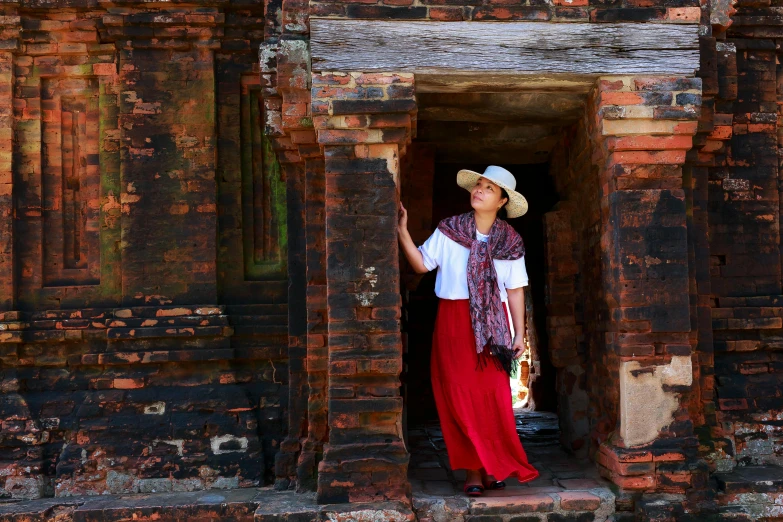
(474, 405)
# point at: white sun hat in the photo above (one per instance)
(517, 204)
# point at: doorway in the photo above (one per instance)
(540, 134)
(537, 417)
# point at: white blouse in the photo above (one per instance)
(451, 259)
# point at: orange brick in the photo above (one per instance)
(331, 79)
(611, 85)
(104, 69)
(762, 127)
(446, 14)
(673, 482)
(348, 136)
(537, 502)
(647, 157)
(721, 132)
(670, 456)
(712, 146)
(683, 14)
(619, 98)
(579, 501)
(649, 143)
(128, 384)
(626, 456)
(302, 136)
(686, 127)
(383, 78)
(639, 482)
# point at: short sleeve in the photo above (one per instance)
(432, 250)
(517, 276)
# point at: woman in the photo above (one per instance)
(480, 261)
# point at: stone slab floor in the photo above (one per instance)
(568, 489)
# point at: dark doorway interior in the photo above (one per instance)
(535, 183)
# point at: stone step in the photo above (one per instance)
(567, 489)
(537, 428)
(528, 504)
(749, 493)
(756, 479)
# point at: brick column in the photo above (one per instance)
(363, 123)
(285, 75)
(641, 131)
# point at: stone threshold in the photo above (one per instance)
(519, 504)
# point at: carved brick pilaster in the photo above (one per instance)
(10, 27)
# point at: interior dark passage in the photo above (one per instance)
(536, 131)
(420, 309)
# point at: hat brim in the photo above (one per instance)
(517, 204)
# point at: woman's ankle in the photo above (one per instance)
(473, 476)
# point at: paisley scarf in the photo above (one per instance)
(489, 321)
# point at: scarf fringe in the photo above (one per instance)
(502, 356)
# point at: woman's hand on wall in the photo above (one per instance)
(403, 219)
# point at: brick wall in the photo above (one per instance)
(119, 408)
(744, 224)
(576, 310)
(144, 282)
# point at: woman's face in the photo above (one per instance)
(485, 196)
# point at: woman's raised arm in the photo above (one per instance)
(412, 253)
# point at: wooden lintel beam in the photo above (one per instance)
(566, 53)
